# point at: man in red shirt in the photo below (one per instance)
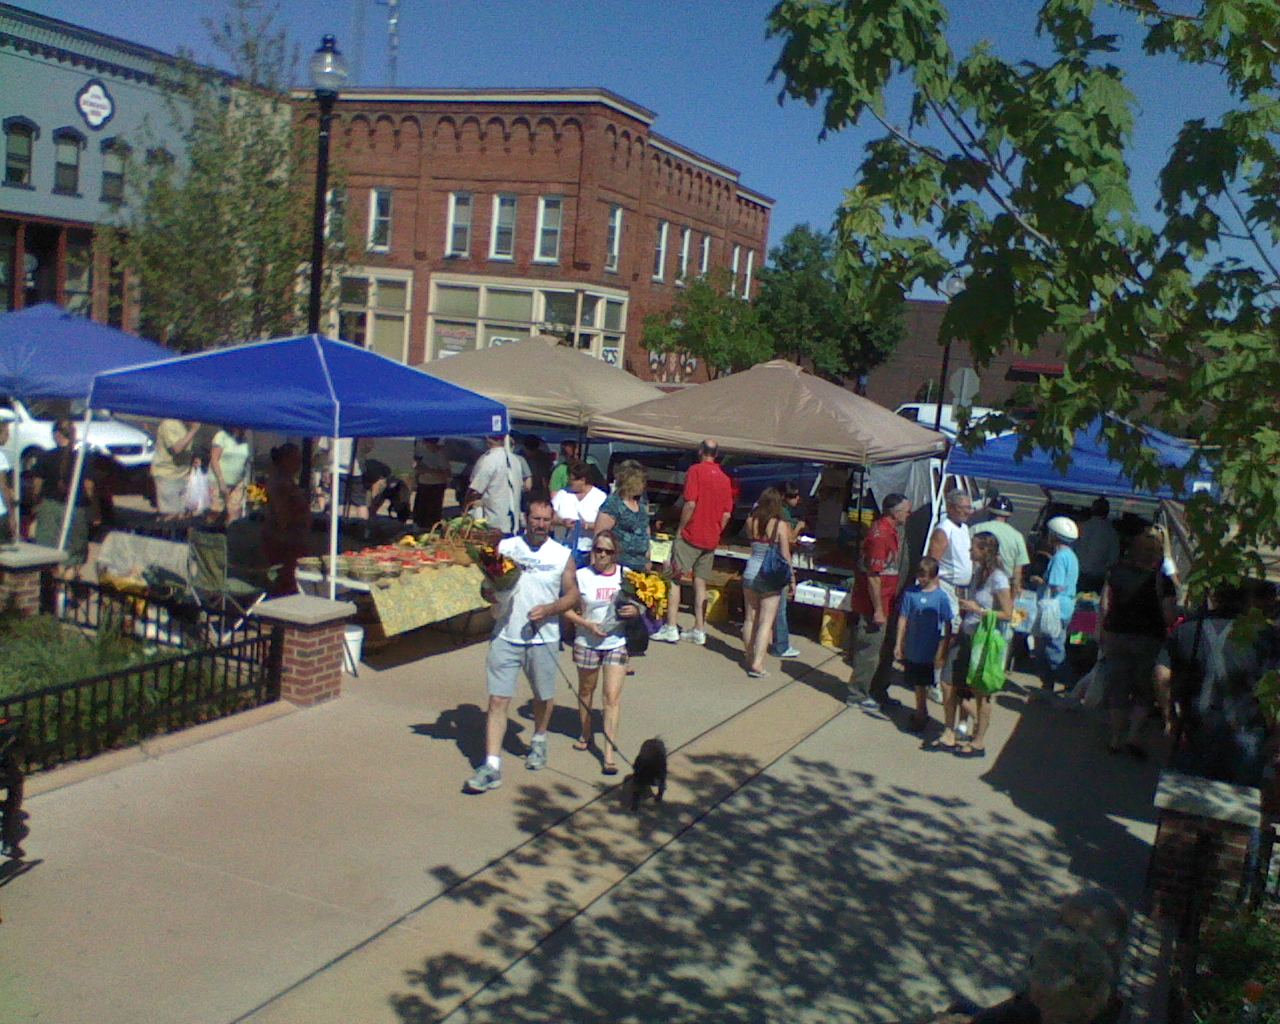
(875, 584)
(708, 504)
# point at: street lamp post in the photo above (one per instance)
(951, 287)
(328, 74)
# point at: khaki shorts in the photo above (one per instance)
(688, 561)
(171, 495)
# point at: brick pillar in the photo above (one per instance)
(22, 567)
(1202, 845)
(311, 647)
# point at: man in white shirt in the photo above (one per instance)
(576, 507)
(526, 637)
(497, 481)
(950, 544)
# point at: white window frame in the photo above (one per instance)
(453, 224)
(374, 219)
(660, 251)
(371, 308)
(538, 255)
(335, 200)
(746, 284)
(706, 255)
(733, 270)
(613, 241)
(493, 227)
(686, 235)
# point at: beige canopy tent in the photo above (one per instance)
(540, 379)
(774, 409)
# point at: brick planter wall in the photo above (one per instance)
(21, 568)
(311, 648)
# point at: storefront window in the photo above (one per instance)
(373, 312)
(79, 279)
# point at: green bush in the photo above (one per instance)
(39, 651)
(1238, 973)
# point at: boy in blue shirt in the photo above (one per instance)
(924, 636)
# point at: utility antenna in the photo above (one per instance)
(393, 37)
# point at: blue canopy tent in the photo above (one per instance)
(46, 352)
(1091, 470)
(311, 386)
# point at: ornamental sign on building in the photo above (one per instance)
(95, 104)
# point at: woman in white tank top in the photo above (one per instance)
(600, 645)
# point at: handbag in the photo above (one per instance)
(774, 572)
(985, 672)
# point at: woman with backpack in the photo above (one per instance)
(767, 574)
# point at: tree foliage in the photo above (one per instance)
(218, 240)
(1014, 175)
(709, 323)
(813, 317)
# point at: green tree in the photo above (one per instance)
(218, 239)
(707, 322)
(1014, 176)
(814, 316)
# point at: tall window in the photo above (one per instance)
(705, 264)
(19, 143)
(613, 239)
(733, 269)
(746, 284)
(660, 251)
(550, 217)
(686, 239)
(379, 219)
(373, 310)
(67, 146)
(502, 238)
(457, 240)
(114, 153)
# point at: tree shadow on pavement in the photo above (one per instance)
(813, 894)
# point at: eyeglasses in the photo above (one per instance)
(602, 551)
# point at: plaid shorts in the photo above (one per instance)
(592, 658)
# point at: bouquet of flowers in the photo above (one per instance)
(648, 588)
(500, 572)
(256, 495)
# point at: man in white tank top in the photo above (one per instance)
(526, 637)
(949, 544)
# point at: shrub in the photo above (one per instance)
(1238, 973)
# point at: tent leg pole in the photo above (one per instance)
(333, 517)
(74, 488)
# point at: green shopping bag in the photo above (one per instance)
(986, 656)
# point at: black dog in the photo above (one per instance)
(650, 771)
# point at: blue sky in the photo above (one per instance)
(702, 65)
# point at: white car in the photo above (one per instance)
(926, 414)
(31, 432)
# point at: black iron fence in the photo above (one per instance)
(196, 665)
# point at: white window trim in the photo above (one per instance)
(493, 227)
(706, 255)
(733, 270)
(373, 213)
(686, 236)
(452, 223)
(751, 262)
(660, 255)
(613, 255)
(537, 242)
(371, 274)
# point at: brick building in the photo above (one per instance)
(479, 216)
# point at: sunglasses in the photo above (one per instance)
(602, 551)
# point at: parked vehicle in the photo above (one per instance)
(926, 414)
(31, 432)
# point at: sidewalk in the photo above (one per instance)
(325, 866)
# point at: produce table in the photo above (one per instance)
(413, 600)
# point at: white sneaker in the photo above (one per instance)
(668, 634)
(694, 636)
(935, 693)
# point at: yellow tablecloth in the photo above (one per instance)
(433, 595)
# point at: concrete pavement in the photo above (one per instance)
(325, 866)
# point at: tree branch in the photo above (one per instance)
(1262, 253)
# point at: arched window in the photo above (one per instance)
(20, 134)
(68, 144)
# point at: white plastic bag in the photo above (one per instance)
(1049, 617)
(196, 498)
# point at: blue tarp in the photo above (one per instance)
(310, 386)
(46, 352)
(1092, 470)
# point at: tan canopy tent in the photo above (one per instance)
(774, 409)
(540, 379)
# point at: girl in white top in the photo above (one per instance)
(600, 645)
(989, 591)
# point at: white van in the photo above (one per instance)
(926, 414)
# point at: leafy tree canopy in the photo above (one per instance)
(707, 322)
(1014, 175)
(811, 316)
(216, 239)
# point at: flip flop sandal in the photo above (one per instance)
(609, 769)
(582, 745)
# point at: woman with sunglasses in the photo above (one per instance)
(600, 646)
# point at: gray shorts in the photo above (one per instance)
(506, 660)
(171, 496)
